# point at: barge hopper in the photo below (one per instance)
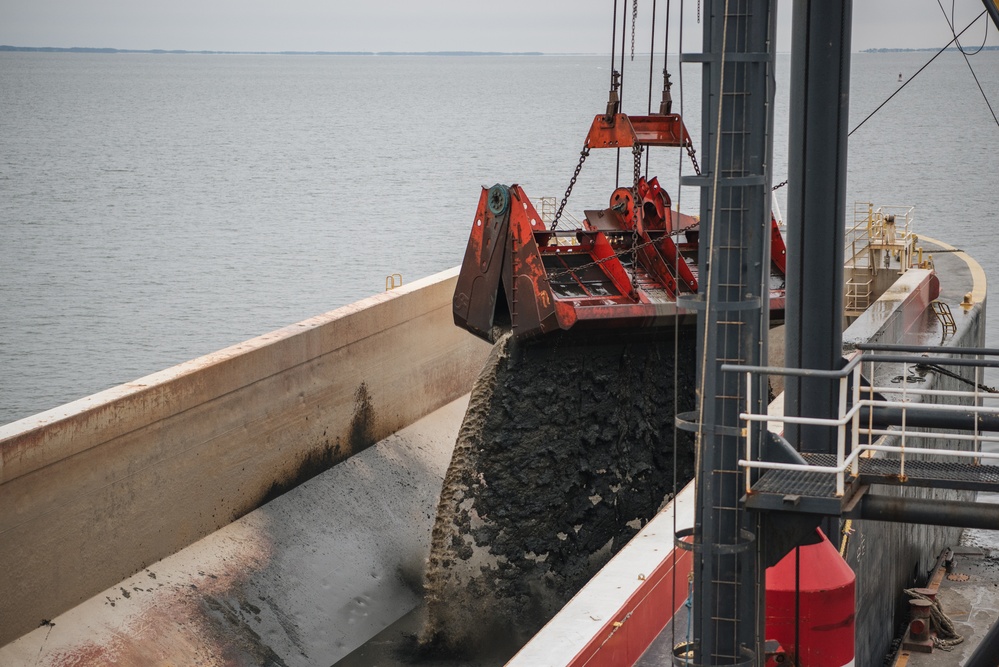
(158, 545)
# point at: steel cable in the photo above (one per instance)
(916, 74)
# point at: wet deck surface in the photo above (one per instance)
(967, 594)
(661, 651)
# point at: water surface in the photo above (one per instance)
(154, 208)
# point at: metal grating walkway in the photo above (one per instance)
(815, 492)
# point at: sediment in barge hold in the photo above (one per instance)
(565, 452)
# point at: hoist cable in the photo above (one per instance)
(916, 74)
(652, 61)
(950, 24)
(985, 37)
(624, 26)
(634, 20)
(676, 329)
(613, 42)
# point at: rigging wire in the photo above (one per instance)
(916, 74)
(624, 26)
(707, 285)
(624, 22)
(652, 60)
(634, 20)
(950, 24)
(613, 42)
(985, 37)
(676, 330)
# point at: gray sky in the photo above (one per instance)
(551, 26)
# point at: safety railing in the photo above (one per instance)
(888, 226)
(854, 397)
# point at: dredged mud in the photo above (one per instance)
(565, 452)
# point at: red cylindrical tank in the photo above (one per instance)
(825, 627)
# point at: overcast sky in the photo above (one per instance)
(550, 26)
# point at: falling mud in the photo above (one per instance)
(565, 452)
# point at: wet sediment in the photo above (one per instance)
(565, 452)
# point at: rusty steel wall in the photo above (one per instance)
(94, 491)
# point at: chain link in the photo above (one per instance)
(634, 20)
(693, 159)
(597, 262)
(636, 151)
(778, 186)
(572, 181)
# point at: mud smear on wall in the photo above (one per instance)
(565, 452)
(362, 425)
(322, 458)
(314, 462)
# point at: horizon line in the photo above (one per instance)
(111, 50)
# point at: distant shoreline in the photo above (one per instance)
(950, 48)
(82, 49)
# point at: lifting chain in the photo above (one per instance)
(576, 270)
(693, 158)
(634, 20)
(636, 151)
(572, 181)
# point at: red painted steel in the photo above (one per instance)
(630, 631)
(823, 619)
(778, 251)
(625, 269)
(621, 131)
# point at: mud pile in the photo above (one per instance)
(565, 452)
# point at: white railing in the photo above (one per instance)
(853, 399)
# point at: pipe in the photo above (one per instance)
(929, 511)
(916, 417)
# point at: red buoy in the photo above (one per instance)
(823, 619)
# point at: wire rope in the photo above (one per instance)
(916, 74)
(950, 24)
(676, 329)
(708, 284)
(985, 37)
(613, 42)
(652, 61)
(624, 27)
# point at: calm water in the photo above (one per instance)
(154, 208)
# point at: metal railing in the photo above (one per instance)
(853, 398)
(870, 230)
(873, 241)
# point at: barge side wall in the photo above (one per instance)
(95, 490)
(888, 557)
